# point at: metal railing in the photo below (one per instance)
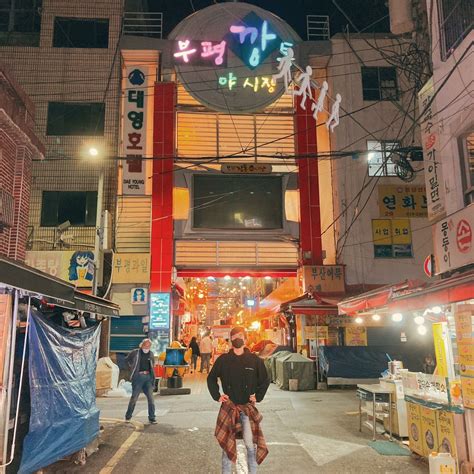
(317, 27)
(143, 24)
(456, 21)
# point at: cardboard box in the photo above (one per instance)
(429, 431)
(414, 428)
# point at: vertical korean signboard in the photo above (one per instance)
(435, 192)
(134, 130)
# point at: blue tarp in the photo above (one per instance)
(64, 416)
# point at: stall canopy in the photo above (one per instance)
(14, 274)
(451, 290)
(270, 306)
(375, 298)
(311, 304)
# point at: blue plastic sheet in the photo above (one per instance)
(64, 416)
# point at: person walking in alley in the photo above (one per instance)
(244, 381)
(141, 363)
(194, 346)
(205, 348)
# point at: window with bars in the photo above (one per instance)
(81, 33)
(379, 83)
(467, 166)
(456, 19)
(379, 157)
(77, 207)
(20, 22)
(76, 119)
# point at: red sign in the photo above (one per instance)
(464, 236)
(427, 266)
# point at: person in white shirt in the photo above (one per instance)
(205, 347)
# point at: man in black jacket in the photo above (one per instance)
(244, 380)
(141, 363)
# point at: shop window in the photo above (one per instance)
(77, 207)
(20, 22)
(379, 158)
(392, 238)
(379, 83)
(74, 118)
(81, 33)
(237, 202)
(467, 166)
(455, 22)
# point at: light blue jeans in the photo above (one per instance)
(251, 450)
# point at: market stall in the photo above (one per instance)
(439, 397)
(51, 401)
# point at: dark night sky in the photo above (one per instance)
(362, 12)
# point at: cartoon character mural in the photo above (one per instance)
(80, 270)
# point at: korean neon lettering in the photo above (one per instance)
(244, 31)
(266, 36)
(230, 80)
(209, 49)
(184, 52)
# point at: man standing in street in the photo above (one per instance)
(141, 364)
(244, 381)
(205, 347)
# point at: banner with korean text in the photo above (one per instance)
(134, 128)
(429, 124)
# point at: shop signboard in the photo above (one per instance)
(134, 129)
(355, 336)
(453, 240)
(414, 428)
(430, 140)
(446, 435)
(73, 266)
(467, 387)
(429, 430)
(464, 321)
(246, 168)
(402, 201)
(392, 238)
(316, 332)
(160, 311)
(343, 320)
(131, 268)
(444, 362)
(323, 279)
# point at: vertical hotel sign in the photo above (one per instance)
(429, 123)
(134, 131)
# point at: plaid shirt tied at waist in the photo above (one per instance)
(229, 429)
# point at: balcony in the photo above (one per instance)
(143, 24)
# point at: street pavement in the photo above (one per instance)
(306, 432)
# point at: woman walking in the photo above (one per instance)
(194, 346)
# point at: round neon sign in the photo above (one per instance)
(225, 56)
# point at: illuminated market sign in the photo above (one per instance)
(226, 56)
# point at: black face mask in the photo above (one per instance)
(238, 342)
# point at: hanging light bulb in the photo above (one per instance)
(422, 330)
(419, 320)
(436, 310)
(397, 317)
(359, 320)
(376, 317)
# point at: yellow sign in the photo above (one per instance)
(356, 336)
(464, 319)
(324, 279)
(131, 268)
(446, 436)
(402, 201)
(429, 431)
(414, 428)
(316, 332)
(440, 349)
(75, 267)
(392, 238)
(467, 387)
